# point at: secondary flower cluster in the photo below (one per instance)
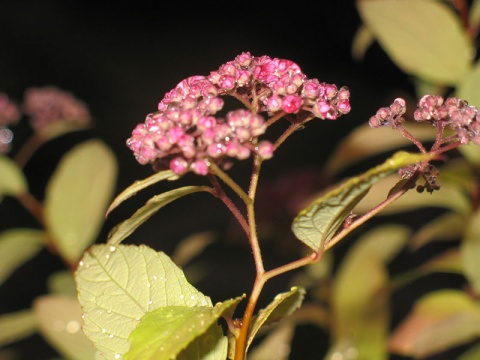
(49, 104)
(185, 135)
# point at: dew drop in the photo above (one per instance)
(182, 296)
(117, 356)
(109, 311)
(80, 263)
(107, 256)
(192, 297)
(112, 248)
(148, 285)
(72, 327)
(104, 331)
(154, 277)
(150, 302)
(111, 336)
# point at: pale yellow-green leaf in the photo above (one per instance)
(448, 261)
(470, 250)
(468, 89)
(474, 14)
(444, 227)
(17, 246)
(62, 283)
(165, 332)
(276, 344)
(364, 142)
(423, 87)
(60, 323)
(118, 285)
(124, 229)
(77, 196)
(192, 246)
(140, 185)
(440, 320)
(424, 38)
(360, 298)
(471, 152)
(282, 306)
(17, 326)
(323, 217)
(362, 40)
(472, 353)
(12, 180)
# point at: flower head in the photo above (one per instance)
(49, 104)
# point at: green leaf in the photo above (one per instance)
(474, 352)
(17, 326)
(444, 227)
(360, 298)
(474, 14)
(439, 321)
(118, 285)
(276, 344)
(17, 246)
(124, 229)
(62, 283)
(165, 332)
(77, 196)
(362, 40)
(404, 30)
(471, 153)
(323, 217)
(364, 142)
(282, 306)
(470, 249)
(468, 89)
(60, 323)
(140, 185)
(12, 181)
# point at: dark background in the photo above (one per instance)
(122, 57)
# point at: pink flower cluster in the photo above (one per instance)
(389, 116)
(462, 118)
(49, 104)
(185, 135)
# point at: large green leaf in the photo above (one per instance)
(166, 331)
(17, 326)
(404, 30)
(124, 229)
(60, 323)
(140, 185)
(470, 251)
(118, 285)
(77, 196)
(322, 218)
(17, 246)
(12, 181)
(468, 89)
(360, 298)
(439, 321)
(445, 227)
(282, 306)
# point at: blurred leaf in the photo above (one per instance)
(124, 229)
(364, 142)
(118, 285)
(439, 321)
(140, 185)
(323, 217)
(166, 331)
(77, 196)
(17, 246)
(276, 344)
(423, 87)
(449, 197)
(404, 30)
(471, 153)
(474, 352)
(12, 181)
(474, 14)
(470, 250)
(17, 326)
(62, 283)
(191, 247)
(448, 261)
(60, 322)
(362, 40)
(360, 298)
(446, 226)
(468, 89)
(282, 306)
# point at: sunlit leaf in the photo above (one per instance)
(12, 181)
(470, 249)
(17, 246)
(364, 142)
(404, 30)
(140, 185)
(323, 217)
(468, 89)
(118, 285)
(17, 326)
(439, 321)
(77, 196)
(60, 323)
(360, 298)
(444, 227)
(282, 306)
(166, 331)
(124, 229)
